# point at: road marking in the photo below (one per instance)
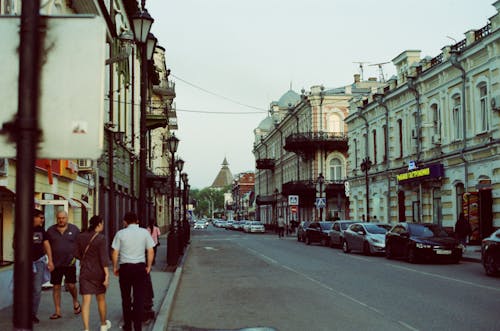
(208, 248)
(354, 257)
(445, 277)
(407, 326)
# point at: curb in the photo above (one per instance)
(471, 259)
(161, 320)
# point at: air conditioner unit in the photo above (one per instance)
(436, 139)
(84, 165)
(4, 167)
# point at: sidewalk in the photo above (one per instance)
(472, 253)
(160, 278)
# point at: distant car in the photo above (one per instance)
(229, 224)
(337, 232)
(200, 225)
(422, 241)
(301, 230)
(368, 238)
(318, 232)
(255, 227)
(490, 253)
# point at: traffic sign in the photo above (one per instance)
(320, 202)
(294, 209)
(293, 200)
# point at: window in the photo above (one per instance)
(385, 143)
(484, 124)
(355, 153)
(335, 124)
(459, 190)
(456, 117)
(436, 119)
(374, 146)
(400, 137)
(336, 169)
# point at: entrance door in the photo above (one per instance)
(485, 213)
(51, 207)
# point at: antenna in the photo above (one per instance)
(361, 68)
(381, 76)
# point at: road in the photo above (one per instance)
(233, 280)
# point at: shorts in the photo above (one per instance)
(68, 272)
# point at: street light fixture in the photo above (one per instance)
(171, 143)
(142, 22)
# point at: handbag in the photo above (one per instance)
(88, 245)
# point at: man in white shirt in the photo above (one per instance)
(132, 267)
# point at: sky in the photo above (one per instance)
(230, 59)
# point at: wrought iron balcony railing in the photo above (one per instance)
(310, 141)
(264, 164)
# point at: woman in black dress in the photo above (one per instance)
(94, 274)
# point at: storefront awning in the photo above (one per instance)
(10, 193)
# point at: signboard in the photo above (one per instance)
(432, 171)
(71, 102)
(293, 200)
(320, 202)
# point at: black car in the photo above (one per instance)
(417, 241)
(319, 232)
(490, 253)
(301, 230)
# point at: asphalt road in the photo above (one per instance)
(233, 280)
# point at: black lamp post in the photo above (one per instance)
(172, 247)
(365, 167)
(321, 190)
(179, 163)
(185, 226)
(142, 22)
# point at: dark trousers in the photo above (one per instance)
(132, 284)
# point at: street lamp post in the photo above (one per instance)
(188, 228)
(172, 247)
(185, 226)
(320, 191)
(365, 167)
(142, 22)
(180, 229)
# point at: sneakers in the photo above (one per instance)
(107, 326)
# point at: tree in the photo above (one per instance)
(208, 200)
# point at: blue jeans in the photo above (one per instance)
(38, 269)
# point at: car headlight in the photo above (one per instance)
(421, 245)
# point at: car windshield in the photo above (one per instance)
(344, 226)
(375, 229)
(255, 223)
(427, 230)
(325, 225)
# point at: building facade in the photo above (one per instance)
(425, 147)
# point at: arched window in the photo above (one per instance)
(484, 124)
(456, 116)
(336, 169)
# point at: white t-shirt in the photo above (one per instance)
(131, 243)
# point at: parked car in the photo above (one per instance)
(421, 241)
(200, 225)
(319, 232)
(490, 253)
(366, 237)
(238, 225)
(229, 224)
(301, 230)
(337, 232)
(255, 227)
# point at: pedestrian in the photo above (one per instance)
(363, 217)
(375, 218)
(41, 251)
(281, 226)
(132, 266)
(94, 272)
(462, 229)
(62, 238)
(154, 231)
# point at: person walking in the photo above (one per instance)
(462, 229)
(281, 226)
(132, 266)
(94, 272)
(62, 239)
(154, 231)
(40, 249)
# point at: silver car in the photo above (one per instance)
(368, 238)
(337, 232)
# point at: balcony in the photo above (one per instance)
(264, 164)
(309, 142)
(306, 190)
(166, 90)
(156, 118)
(265, 200)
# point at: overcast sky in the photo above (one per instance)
(231, 58)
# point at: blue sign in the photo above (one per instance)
(320, 202)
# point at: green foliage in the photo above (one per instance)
(204, 199)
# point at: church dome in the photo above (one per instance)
(289, 98)
(266, 124)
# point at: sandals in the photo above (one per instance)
(55, 316)
(77, 310)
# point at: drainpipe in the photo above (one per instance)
(381, 102)
(366, 163)
(455, 63)
(416, 93)
(291, 111)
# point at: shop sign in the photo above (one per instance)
(432, 171)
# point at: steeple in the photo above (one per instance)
(224, 177)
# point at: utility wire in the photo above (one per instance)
(216, 94)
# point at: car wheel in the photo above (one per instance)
(366, 248)
(345, 247)
(412, 255)
(388, 252)
(489, 265)
(308, 241)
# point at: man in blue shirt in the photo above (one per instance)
(132, 267)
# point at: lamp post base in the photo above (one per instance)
(172, 249)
